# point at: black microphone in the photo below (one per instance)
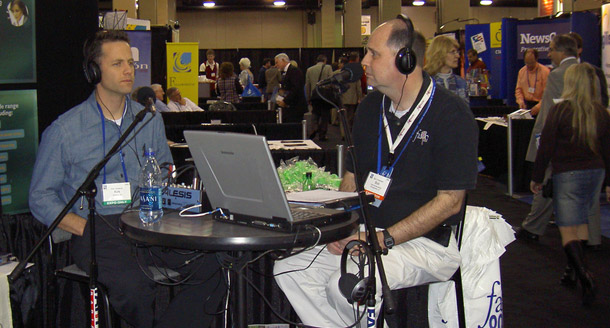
(146, 96)
(351, 72)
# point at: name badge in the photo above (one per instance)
(531, 90)
(378, 186)
(213, 74)
(116, 193)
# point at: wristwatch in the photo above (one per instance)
(388, 240)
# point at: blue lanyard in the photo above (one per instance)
(380, 134)
(104, 142)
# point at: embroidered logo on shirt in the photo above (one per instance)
(422, 135)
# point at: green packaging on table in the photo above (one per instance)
(292, 173)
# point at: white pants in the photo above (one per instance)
(314, 292)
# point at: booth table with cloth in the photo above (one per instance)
(206, 234)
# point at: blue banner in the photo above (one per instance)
(141, 49)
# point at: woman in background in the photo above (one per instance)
(442, 56)
(576, 142)
(228, 85)
(245, 76)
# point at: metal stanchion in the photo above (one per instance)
(279, 115)
(340, 157)
(304, 129)
(509, 145)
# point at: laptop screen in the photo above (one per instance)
(238, 173)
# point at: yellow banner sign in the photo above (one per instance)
(183, 68)
(495, 35)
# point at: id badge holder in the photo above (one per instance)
(378, 184)
(116, 193)
(531, 90)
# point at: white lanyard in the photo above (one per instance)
(393, 145)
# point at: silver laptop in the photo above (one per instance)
(240, 178)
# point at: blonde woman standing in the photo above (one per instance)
(442, 56)
(575, 141)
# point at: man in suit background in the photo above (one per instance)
(563, 52)
(320, 108)
(294, 104)
(272, 78)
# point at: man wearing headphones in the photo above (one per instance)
(70, 147)
(416, 146)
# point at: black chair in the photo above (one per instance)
(74, 273)
(404, 295)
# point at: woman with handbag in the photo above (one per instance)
(576, 142)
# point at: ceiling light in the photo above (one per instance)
(486, 2)
(209, 4)
(419, 3)
(279, 3)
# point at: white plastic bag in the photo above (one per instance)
(486, 235)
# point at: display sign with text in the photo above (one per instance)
(539, 36)
(140, 42)
(183, 68)
(18, 145)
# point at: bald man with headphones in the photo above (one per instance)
(416, 147)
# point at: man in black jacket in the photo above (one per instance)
(293, 84)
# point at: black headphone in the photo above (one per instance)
(405, 57)
(92, 71)
(355, 288)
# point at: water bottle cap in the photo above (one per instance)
(149, 152)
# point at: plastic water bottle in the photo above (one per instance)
(308, 182)
(151, 185)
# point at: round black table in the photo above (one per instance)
(207, 234)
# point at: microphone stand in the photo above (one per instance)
(369, 225)
(87, 189)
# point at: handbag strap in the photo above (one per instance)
(321, 70)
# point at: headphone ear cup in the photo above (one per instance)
(92, 72)
(360, 291)
(347, 285)
(405, 61)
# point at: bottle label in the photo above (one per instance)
(150, 198)
(116, 193)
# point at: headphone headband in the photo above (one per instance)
(405, 57)
(410, 29)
